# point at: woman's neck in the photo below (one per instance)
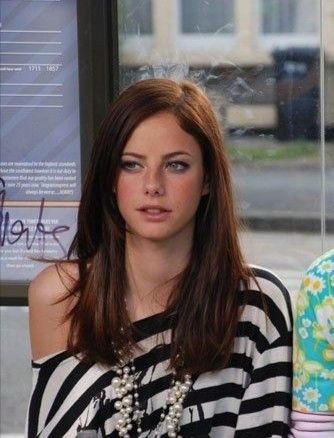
(151, 267)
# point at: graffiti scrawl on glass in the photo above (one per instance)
(10, 233)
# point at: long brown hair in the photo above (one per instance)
(205, 296)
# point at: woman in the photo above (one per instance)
(313, 381)
(159, 327)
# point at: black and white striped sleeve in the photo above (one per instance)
(266, 403)
(62, 394)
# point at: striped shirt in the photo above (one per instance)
(251, 397)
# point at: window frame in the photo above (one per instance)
(270, 41)
(133, 46)
(195, 43)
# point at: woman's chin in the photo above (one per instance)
(152, 237)
(154, 234)
(162, 232)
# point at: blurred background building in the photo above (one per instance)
(230, 46)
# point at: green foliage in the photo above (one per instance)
(273, 152)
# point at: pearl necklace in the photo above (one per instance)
(128, 407)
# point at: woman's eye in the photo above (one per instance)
(129, 165)
(178, 165)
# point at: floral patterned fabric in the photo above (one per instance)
(313, 380)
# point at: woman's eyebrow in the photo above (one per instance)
(170, 155)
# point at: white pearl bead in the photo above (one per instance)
(118, 405)
(170, 427)
(121, 422)
(126, 401)
(139, 429)
(129, 386)
(184, 388)
(126, 370)
(116, 381)
(171, 434)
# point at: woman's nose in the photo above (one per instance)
(153, 184)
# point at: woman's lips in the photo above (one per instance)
(154, 214)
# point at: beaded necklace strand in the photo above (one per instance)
(128, 407)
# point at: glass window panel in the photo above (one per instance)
(15, 370)
(135, 17)
(264, 103)
(289, 16)
(207, 16)
(328, 99)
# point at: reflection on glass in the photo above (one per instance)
(289, 16)
(297, 92)
(211, 16)
(328, 6)
(135, 17)
(260, 66)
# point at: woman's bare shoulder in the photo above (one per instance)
(49, 304)
(53, 282)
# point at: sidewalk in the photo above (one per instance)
(287, 254)
(282, 194)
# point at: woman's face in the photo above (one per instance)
(161, 180)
